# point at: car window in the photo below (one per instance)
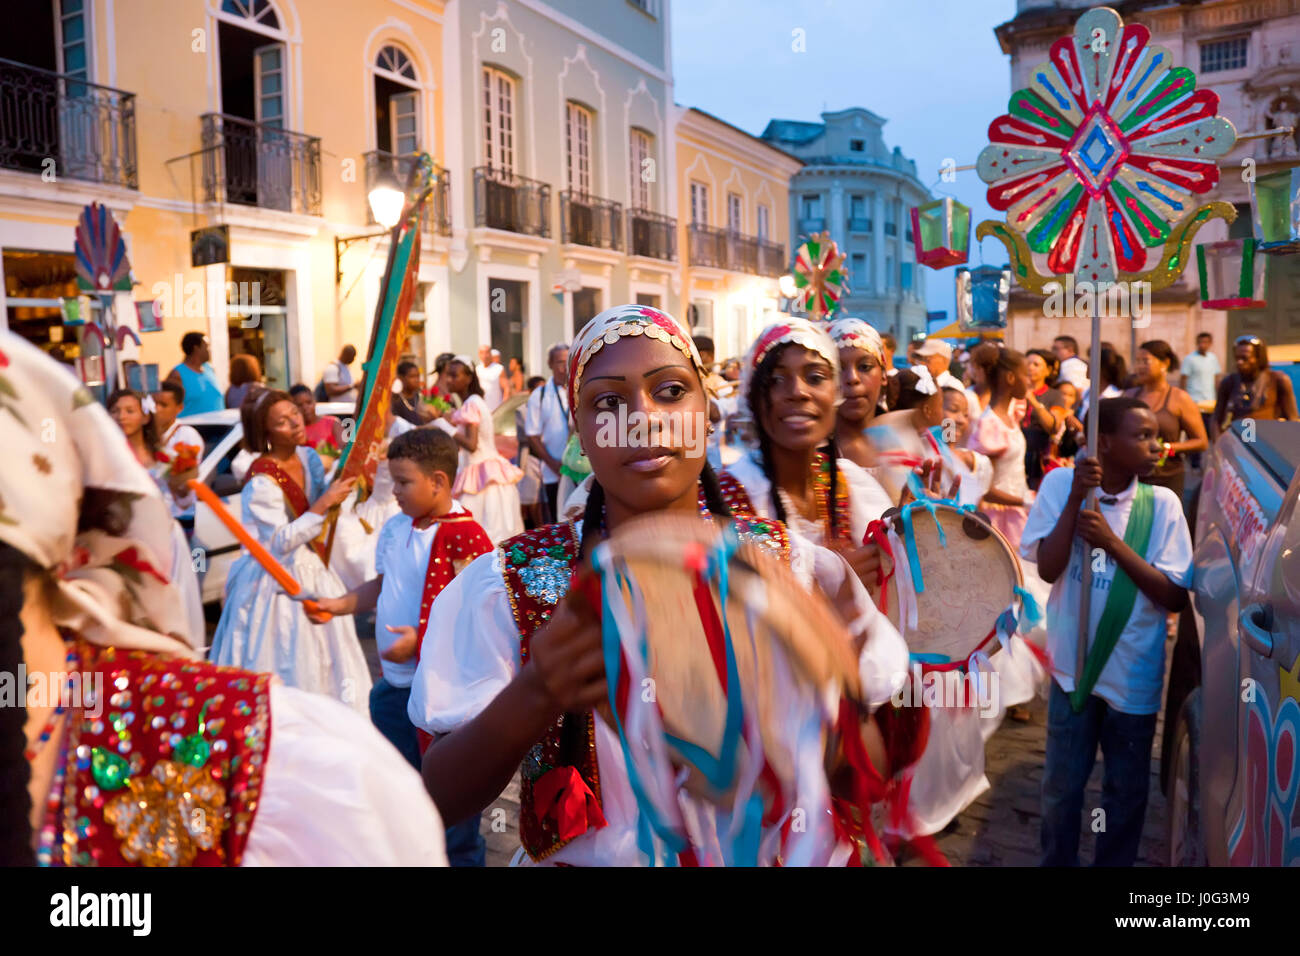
(222, 480)
(212, 435)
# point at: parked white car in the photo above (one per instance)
(222, 434)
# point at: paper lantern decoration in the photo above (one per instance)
(941, 233)
(983, 294)
(1275, 208)
(1098, 161)
(1232, 274)
(819, 277)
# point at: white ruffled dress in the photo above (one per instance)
(262, 628)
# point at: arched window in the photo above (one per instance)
(260, 12)
(397, 102)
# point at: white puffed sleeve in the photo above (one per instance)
(336, 793)
(264, 512)
(469, 651)
(868, 499)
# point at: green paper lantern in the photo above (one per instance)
(1232, 274)
(1275, 210)
(941, 233)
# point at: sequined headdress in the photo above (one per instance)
(613, 324)
(848, 333)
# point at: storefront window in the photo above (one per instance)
(35, 285)
(257, 321)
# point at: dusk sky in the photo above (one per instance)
(932, 68)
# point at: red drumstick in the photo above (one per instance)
(259, 553)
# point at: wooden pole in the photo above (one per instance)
(1094, 406)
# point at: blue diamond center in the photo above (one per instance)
(1096, 151)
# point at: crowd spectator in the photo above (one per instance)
(245, 372)
(1073, 369)
(336, 381)
(196, 376)
(1176, 413)
(491, 376)
(1200, 378)
(1254, 390)
(320, 428)
(547, 424)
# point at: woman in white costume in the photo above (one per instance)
(284, 503)
(490, 712)
(79, 591)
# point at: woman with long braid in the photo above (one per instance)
(128, 748)
(511, 672)
(794, 472)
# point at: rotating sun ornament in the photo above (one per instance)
(1098, 161)
(820, 279)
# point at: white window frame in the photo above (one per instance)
(579, 135)
(61, 19)
(500, 95)
(640, 147)
(1220, 49)
(735, 213)
(764, 222)
(699, 203)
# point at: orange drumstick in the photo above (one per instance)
(259, 553)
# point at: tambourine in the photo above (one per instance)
(721, 668)
(954, 578)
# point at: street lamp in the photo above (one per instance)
(788, 289)
(387, 201)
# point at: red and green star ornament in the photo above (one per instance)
(819, 276)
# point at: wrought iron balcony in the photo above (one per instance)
(503, 200)
(859, 224)
(742, 253)
(591, 221)
(257, 164)
(85, 130)
(771, 258)
(651, 234)
(891, 228)
(437, 213)
(706, 246)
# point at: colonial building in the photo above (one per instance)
(1248, 52)
(561, 139)
(733, 190)
(862, 192)
(268, 117)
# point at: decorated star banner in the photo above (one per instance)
(819, 276)
(1099, 161)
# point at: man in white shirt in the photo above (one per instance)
(1139, 576)
(1073, 369)
(546, 423)
(1201, 372)
(936, 356)
(169, 403)
(491, 375)
(337, 377)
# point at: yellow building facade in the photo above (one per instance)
(268, 117)
(733, 228)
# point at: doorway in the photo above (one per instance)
(506, 312)
(586, 304)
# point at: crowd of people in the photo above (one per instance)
(464, 548)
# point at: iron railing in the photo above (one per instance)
(398, 168)
(706, 246)
(86, 131)
(591, 221)
(504, 200)
(742, 253)
(891, 228)
(257, 164)
(771, 258)
(859, 224)
(651, 234)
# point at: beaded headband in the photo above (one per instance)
(624, 320)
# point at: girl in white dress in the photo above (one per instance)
(284, 503)
(486, 483)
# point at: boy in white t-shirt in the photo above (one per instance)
(418, 553)
(1141, 554)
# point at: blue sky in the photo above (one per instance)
(932, 68)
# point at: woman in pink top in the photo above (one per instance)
(997, 434)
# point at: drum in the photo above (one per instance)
(723, 671)
(954, 578)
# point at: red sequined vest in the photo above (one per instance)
(164, 769)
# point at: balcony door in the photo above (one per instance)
(506, 299)
(274, 159)
(79, 127)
